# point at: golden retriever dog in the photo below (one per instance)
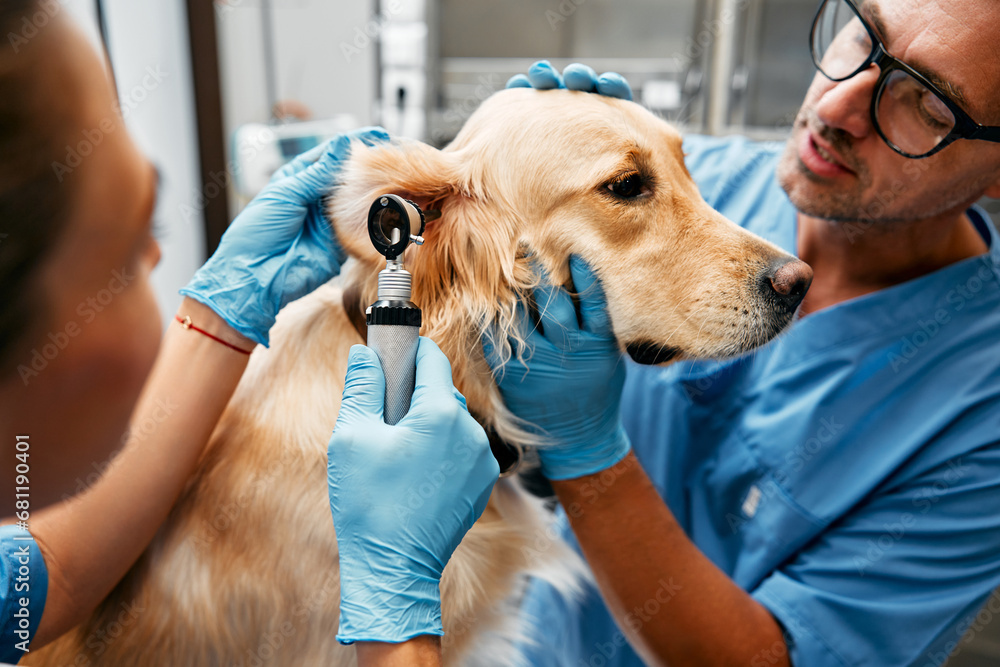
(245, 570)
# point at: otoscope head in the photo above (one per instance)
(393, 222)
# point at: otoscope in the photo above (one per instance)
(393, 320)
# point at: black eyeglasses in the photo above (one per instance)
(910, 113)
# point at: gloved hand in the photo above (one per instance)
(402, 496)
(569, 383)
(542, 76)
(280, 247)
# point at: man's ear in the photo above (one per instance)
(410, 169)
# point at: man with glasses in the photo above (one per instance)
(833, 498)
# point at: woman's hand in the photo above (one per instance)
(568, 382)
(402, 496)
(280, 247)
(542, 76)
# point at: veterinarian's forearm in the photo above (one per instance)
(423, 651)
(91, 541)
(674, 605)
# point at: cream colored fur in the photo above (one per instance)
(245, 570)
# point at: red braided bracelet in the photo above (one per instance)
(186, 323)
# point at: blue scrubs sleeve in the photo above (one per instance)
(24, 584)
(727, 168)
(886, 584)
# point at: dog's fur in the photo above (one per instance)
(245, 570)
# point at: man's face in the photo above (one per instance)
(837, 167)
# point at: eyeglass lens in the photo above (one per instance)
(909, 115)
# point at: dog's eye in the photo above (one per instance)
(629, 186)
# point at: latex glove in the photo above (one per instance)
(569, 383)
(542, 76)
(281, 246)
(402, 496)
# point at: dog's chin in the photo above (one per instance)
(651, 354)
(764, 335)
(748, 342)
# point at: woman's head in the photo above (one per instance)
(79, 327)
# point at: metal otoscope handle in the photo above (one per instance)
(394, 320)
(396, 347)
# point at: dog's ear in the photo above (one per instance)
(469, 275)
(410, 169)
(471, 249)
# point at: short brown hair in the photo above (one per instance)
(33, 203)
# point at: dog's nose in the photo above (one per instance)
(787, 281)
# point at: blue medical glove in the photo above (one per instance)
(281, 246)
(542, 76)
(402, 496)
(569, 383)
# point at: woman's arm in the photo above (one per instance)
(674, 605)
(90, 541)
(422, 651)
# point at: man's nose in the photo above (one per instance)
(846, 105)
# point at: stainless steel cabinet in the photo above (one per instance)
(481, 43)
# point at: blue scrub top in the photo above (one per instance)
(24, 583)
(847, 475)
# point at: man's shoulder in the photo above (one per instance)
(729, 155)
(731, 170)
(733, 144)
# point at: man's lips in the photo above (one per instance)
(820, 158)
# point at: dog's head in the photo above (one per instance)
(558, 173)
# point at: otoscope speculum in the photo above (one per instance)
(393, 223)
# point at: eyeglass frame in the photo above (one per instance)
(965, 127)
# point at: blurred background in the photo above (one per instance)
(221, 93)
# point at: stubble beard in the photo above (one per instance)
(817, 197)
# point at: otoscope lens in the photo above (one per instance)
(388, 223)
